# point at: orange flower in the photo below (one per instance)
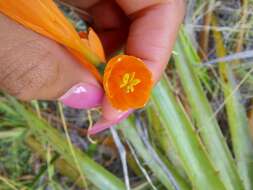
(44, 17)
(127, 82)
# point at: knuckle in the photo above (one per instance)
(26, 68)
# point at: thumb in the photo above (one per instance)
(34, 67)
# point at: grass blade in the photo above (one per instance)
(131, 134)
(161, 141)
(185, 140)
(89, 168)
(60, 164)
(203, 114)
(237, 118)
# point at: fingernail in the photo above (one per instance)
(123, 115)
(100, 126)
(82, 96)
(104, 124)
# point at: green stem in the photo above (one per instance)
(237, 118)
(131, 134)
(202, 112)
(185, 140)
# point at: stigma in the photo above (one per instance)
(129, 82)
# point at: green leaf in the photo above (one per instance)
(237, 118)
(185, 140)
(131, 134)
(95, 173)
(202, 112)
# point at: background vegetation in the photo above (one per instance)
(195, 133)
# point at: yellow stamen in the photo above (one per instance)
(129, 82)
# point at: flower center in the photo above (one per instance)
(129, 81)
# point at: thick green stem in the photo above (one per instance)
(187, 68)
(185, 140)
(237, 118)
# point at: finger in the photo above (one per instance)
(153, 34)
(113, 40)
(151, 37)
(34, 67)
(81, 3)
(109, 21)
(111, 118)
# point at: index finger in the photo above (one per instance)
(153, 33)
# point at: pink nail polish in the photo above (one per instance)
(82, 96)
(105, 124)
(100, 126)
(123, 116)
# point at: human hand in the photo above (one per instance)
(34, 67)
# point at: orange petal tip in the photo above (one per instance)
(91, 40)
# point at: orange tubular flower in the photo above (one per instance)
(44, 17)
(127, 82)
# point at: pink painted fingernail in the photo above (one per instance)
(100, 126)
(123, 116)
(103, 124)
(82, 96)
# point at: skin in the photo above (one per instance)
(34, 67)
